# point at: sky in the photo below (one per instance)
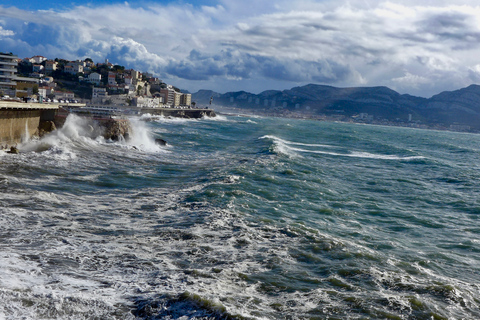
(414, 47)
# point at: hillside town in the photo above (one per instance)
(102, 88)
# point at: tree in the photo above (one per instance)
(118, 68)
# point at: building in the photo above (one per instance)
(8, 69)
(186, 99)
(37, 68)
(45, 91)
(38, 59)
(135, 75)
(176, 102)
(95, 78)
(143, 102)
(61, 95)
(168, 95)
(74, 67)
(99, 93)
(111, 79)
(51, 66)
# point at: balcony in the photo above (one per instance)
(4, 84)
(8, 56)
(11, 70)
(8, 63)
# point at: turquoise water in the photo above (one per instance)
(242, 218)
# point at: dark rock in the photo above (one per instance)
(45, 127)
(160, 142)
(114, 129)
(13, 150)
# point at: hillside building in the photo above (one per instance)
(50, 66)
(94, 78)
(111, 79)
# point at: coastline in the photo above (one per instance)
(386, 123)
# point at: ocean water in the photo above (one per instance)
(242, 218)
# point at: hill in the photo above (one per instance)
(380, 104)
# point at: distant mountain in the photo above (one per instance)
(450, 107)
(460, 106)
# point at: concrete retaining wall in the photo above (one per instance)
(15, 125)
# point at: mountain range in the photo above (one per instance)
(460, 107)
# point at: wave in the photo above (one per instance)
(285, 147)
(295, 143)
(79, 133)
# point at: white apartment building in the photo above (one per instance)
(94, 77)
(8, 69)
(99, 92)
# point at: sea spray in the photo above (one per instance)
(75, 129)
(142, 137)
(26, 136)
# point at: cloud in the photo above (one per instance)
(237, 65)
(405, 44)
(6, 33)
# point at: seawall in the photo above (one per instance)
(180, 113)
(19, 121)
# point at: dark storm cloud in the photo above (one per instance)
(237, 65)
(456, 27)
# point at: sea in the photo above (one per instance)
(241, 217)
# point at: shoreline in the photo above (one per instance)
(422, 126)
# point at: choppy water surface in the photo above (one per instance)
(242, 218)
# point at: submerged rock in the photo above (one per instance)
(160, 142)
(13, 150)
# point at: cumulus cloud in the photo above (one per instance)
(407, 45)
(6, 33)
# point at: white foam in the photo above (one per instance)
(285, 147)
(274, 138)
(142, 138)
(218, 117)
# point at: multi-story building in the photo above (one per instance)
(8, 69)
(99, 93)
(50, 66)
(135, 75)
(144, 102)
(176, 102)
(38, 59)
(186, 99)
(168, 95)
(111, 79)
(95, 78)
(74, 67)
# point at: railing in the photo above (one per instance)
(10, 55)
(8, 63)
(7, 83)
